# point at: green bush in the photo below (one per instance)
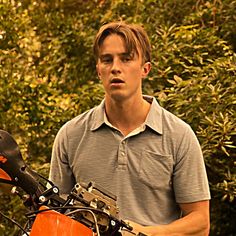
(207, 101)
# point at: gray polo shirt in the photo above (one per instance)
(151, 170)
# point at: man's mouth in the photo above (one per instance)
(116, 81)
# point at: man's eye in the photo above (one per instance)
(126, 58)
(106, 60)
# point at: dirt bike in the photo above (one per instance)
(88, 209)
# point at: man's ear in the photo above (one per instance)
(146, 69)
(98, 71)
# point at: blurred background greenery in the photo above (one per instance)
(47, 76)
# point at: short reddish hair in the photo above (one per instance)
(134, 36)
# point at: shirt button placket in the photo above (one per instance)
(122, 156)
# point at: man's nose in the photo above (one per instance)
(116, 66)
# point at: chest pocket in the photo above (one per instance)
(155, 170)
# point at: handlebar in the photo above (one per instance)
(88, 208)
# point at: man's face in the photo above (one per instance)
(121, 73)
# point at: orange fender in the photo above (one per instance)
(52, 223)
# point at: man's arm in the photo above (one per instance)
(195, 222)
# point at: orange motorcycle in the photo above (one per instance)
(88, 209)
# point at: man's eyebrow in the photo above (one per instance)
(126, 54)
(120, 54)
(130, 54)
(105, 55)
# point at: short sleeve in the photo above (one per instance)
(60, 172)
(189, 177)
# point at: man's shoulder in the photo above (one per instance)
(86, 115)
(172, 119)
(165, 120)
(82, 119)
(79, 124)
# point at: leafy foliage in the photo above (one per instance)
(207, 101)
(48, 76)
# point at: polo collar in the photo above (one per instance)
(153, 120)
(154, 117)
(98, 116)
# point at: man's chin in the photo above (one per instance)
(118, 97)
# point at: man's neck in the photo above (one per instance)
(128, 115)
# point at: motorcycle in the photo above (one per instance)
(88, 210)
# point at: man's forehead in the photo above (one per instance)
(115, 44)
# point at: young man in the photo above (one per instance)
(146, 156)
